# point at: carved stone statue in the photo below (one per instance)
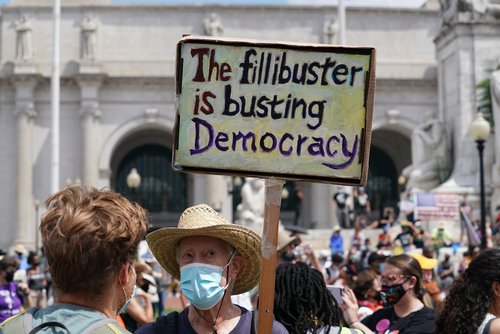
(213, 26)
(429, 155)
(453, 10)
(89, 37)
(331, 31)
(24, 49)
(495, 109)
(251, 210)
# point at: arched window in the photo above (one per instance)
(382, 187)
(161, 189)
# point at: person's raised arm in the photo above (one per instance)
(350, 311)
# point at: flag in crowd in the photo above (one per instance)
(432, 206)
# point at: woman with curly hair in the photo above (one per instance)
(303, 303)
(473, 303)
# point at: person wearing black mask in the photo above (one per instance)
(402, 292)
(10, 299)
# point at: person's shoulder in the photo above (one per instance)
(163, 321)
(426, 312)
(495, 326)
(422, 321)
(383, 312)
(278, 328)
(112, 327)
(14, 324)
(146, 329)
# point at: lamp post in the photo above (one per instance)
(134, 181)
(401, 184)
(234, 189)
(480, 131)
(37, 207)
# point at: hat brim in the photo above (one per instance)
(163, 244)
(425, 262)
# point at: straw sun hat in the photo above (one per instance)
(202, 220)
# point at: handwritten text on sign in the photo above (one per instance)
(271, 110)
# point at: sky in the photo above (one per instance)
(371, 3)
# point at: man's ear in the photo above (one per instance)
(123, 275)
(238, 262)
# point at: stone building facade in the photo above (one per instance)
(118, 99)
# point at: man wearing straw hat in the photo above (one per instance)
(212, 259)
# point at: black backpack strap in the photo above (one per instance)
(166, 324)
(48, 324)
(486, 329)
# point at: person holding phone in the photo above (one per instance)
(336, 292)
(304, 304)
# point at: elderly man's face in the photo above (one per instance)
(209, 250)
(202, 249)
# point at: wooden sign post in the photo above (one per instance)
(274, 110)
(268, 248)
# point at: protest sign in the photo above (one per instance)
(436, 206)
(271, 109)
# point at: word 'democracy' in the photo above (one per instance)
(273, 109)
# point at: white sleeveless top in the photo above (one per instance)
(487, 318)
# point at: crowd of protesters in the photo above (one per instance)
(410, 280)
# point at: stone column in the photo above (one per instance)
(332, 209)
(216, 192)
(320, 206)
(91, 114)
(26, 114)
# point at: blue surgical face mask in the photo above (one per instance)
(128, 300)
(200, 283)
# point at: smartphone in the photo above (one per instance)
(336, 292)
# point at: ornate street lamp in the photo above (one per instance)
(480, 131)
(134, 181)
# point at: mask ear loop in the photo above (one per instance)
(230, 259)
(227, 266)
(133, 291)
(214, 324)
